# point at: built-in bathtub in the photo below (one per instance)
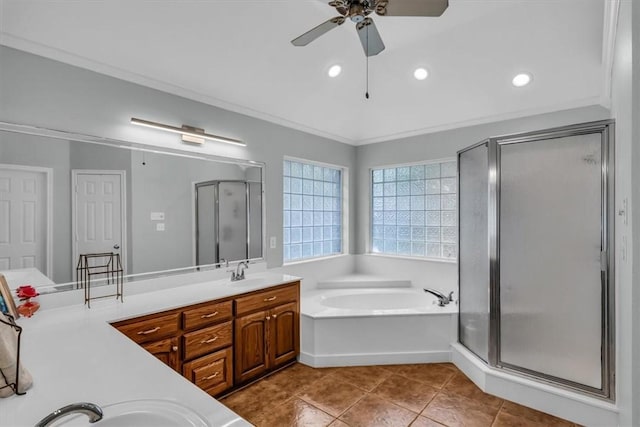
(359, 320)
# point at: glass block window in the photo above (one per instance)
(312, 222)
(414, 210)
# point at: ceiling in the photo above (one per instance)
(237, 54)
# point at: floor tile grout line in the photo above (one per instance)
(301, 385)
(495, 418)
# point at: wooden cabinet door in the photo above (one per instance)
(284, 341)
(250, 346)
(167, 351)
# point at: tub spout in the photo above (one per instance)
(442, 298)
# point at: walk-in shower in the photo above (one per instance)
(536, 255)
(228, 221)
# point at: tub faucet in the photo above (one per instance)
(442, 298)
(239, 273)
(91, 410)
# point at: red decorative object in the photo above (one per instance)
(28, 307)
(27, 291)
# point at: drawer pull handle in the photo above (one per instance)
(209, 341)
(149, 331)
(270, 299)
(206, 316)
(210, 377)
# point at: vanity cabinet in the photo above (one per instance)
(212, 373)
(267, 331)
(167, 350)
(222, 344)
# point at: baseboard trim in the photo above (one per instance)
(364, 359)
(572, 406)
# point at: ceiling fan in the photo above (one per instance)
(359, 10)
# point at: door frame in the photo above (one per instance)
(48, 176)
(123, 213)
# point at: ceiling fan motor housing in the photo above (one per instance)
(357, 12)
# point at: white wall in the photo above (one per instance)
(635, 159)
(621, 110)
(41, 92)
(434, 146)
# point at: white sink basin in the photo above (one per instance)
(140, 413)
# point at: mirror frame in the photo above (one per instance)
(135, 146)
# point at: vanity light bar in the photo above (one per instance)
(189, 133)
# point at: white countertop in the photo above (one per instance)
(74, 355)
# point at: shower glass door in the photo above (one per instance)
(536, 260)
(551, 244)
(233, 219)
(206, 224)
(473, 256)
(224, 214)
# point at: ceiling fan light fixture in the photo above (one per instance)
(420, 73)
(521, 79)
(334, 71)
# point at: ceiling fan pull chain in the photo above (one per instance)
(366, 94)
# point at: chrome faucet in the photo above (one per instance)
(91, 410)
(442, 298)
(239, 273)
(223, 260)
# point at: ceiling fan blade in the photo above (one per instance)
(369, 37)
(411, 7)
(316, 32)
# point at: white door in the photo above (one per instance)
(23, 218)
(99, 213)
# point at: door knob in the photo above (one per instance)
(116, 246)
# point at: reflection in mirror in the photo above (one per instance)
(160, 210)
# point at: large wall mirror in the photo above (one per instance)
(63, 196)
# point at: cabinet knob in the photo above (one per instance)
(275, 315)
(174, 348)
(268, 317)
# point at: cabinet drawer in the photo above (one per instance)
(266, 299)
(152, 329)
(212, 373)
(207, 340)
(206, 315)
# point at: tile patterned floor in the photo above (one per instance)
(427, 395)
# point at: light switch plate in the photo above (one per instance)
(160, 226)
(157, 216)
(272, 242)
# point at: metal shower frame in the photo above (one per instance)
(606, 130)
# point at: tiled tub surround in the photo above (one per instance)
(421, 395)
(346, 324)
(75, 355)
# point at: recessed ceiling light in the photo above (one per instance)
(521, 79)
(420, 73)
(334, 71)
